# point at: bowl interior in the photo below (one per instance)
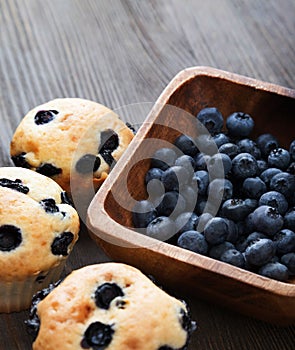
(272, 111)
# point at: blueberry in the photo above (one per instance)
(260, 252)
(219, 165)
(48, 169)
(244, 165)
(292, 150)
(267, 143)
(186, 222)
(143, 213)
(190, 196)
(289, 219)
(219, 190)
(65, 199)
(289, 261)
(285, 241)
(279, 158)
(291, 168)
(14, 185)
(49, 205)
(106, 293)
(252, 238)
(61, 243)
(193, 241)
(211, 118)
(276, 200)
(253, 187)
(267, 220)
(161, 228)
(186, 162)
(217, 250)
(284, 183)
(44, 117)
(262, 166)
(220, 139)
(97, 336)
(239, 124)
(249, 146)
(186, 145)
(109, 142)
(175, 177)
(202, 221)
(202, 179)
(201, 161)
(232, 233)
(233, 257)
(153, 181)
(275, 271)
(88, 163)
(206, 144)
(163, 158)
(216, 230)
(20, 160)
(171, 203)
(238, 209)
(268, 174)
(231, 149)
(10, 237)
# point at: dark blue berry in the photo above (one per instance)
(61, 243)
(260, 252)
(284, 183)
(233, 257)
(186, 222)
(219, 165)
(275, 271)
(238, 209)
(202, 221)
(106, 293)
(20, 160)
(161, 228)
(231, 149)
(289, 261)
(292, 150)
(232, 233)
(163, 158)
(246, 242)
(186, 145)
(239, 124)
(268, 174)
(289, 219)
(193, 241)
(97, 336)
(49, 205)
(206, 144)
(267, 220)
(171, 203)
(88, 163)
(186, 162)
(211, 118)
(153, 181)
(220, 139)
(201, 161)
(249, 146)
(44, 117)
(216, 230)
(253, 187)
(10, 237)
(202, 179)
(175, 177)
(143, 213)
(279, 158)
(109, 141)
(65, 199)
(190, 196)
(48, 169)
(244, 165)
(217, 250)
(219, 190)
(262, 166)
(276, 200)
(14, 185)
(266, 143)
(285, 241)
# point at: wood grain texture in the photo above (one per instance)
(122, 52)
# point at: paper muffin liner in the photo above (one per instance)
(17, 295)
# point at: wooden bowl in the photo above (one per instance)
(109, 215)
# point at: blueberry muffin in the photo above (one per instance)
(38, 229)
(72, 141)
(109, 306)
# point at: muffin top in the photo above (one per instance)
(70, 139)
(38, 226)
(111, 306)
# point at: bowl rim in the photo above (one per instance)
(106, 222)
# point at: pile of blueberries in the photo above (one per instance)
(224, 195)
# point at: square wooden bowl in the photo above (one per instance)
(109, 214)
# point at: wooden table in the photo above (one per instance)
(123, 53)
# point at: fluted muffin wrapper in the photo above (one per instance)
(17, 295)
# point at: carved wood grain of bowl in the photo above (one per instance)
(109, 214)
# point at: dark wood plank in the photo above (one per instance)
(124, 52)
